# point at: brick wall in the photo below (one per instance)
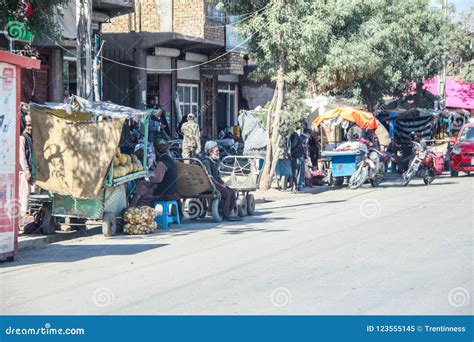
(214, 31)
(188, 17)
(232, 63)
(146, 18)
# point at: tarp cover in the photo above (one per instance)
(253, 135)
(72, 158)
(192, 180)
(364, 120)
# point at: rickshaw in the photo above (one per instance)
(340, 164)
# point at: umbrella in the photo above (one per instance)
(364, 120)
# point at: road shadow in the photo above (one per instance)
(70, 253)
(252, 230)
(189, 226)
(303, 204)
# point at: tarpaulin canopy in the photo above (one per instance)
(459, 94)
(364, 120)
(72, 157)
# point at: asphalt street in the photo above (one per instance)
(390, 250)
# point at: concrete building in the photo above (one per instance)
(180, 53)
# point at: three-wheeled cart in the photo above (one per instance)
(74, 158)
(342, 164)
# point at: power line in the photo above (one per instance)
(179, 69)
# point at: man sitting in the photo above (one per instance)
(228, 195)
(162, 185)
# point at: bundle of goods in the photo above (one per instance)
(352, 146)
(139, 220)
(317, 178)
(125, 164)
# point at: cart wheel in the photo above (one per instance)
(338, 181)
(109, 224)
(48, 223)
(241, 206)
(250, 204)
(194, 208)
(217, 210)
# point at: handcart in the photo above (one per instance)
(76, 162)
(242, 174)
(196, 188)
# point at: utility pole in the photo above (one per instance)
(442, 77)
(84, 48)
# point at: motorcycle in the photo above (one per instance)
(422, 165)
(371, 167)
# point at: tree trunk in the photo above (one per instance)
(369, 102)
(419, 95)
(274, 128)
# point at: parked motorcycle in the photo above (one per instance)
(371, 167)
(422, 165)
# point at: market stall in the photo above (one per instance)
(80, 162)
(334, 125)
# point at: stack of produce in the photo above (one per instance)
(125, 164)
(139, 220)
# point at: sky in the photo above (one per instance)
(461, 5)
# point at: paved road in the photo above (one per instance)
(372, 251)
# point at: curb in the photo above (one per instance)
(40, 241)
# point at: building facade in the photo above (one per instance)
(175, 53)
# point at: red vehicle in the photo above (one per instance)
(462, 153)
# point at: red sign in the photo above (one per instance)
(7, 79)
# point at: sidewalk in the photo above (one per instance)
(40, 241)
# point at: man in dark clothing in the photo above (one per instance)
(162, 185)
(210, 161)
(297, 155)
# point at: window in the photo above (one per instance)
(230, 103)
(188, 98)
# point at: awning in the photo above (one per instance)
(364, 120)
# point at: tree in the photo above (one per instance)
(39, 19)
(281, 42)
(380, 47)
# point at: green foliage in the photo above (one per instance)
(467, 72)
(41, 22)
(293, 113)
(370, 48)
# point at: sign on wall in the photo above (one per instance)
(9, 204)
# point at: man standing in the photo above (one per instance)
(191, 137)
(297, 155)
(26, 157)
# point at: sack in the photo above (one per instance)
(438, 163)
